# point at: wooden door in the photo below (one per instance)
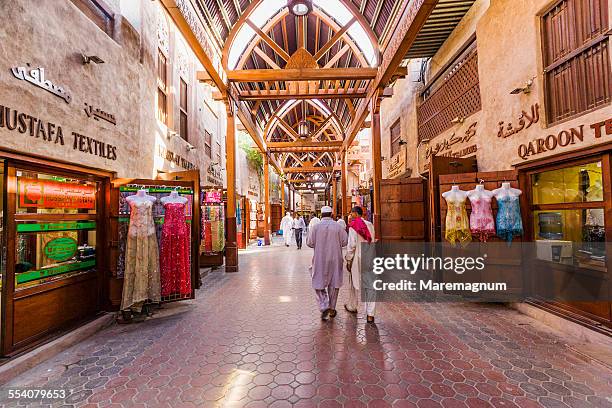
(439, 166)
(404, 210)
(277, 215)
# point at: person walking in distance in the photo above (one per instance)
(287, 227)
(298, 228)
(327, 239)
(360, 231)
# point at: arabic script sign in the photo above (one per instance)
(35, 193)
(98, 114)
(447, 143)
(36, 77)
(61, 249)
(525, 121)
(397, 165)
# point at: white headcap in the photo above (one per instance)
(288, 214)
(326, 209)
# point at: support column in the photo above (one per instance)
(376, 162)
(293, 201)
(344, 176)
(231, 247)
(334, 195)
(282, 190)
(268, 207)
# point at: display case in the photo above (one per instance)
(212, 239)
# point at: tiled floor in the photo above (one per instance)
(255, 339)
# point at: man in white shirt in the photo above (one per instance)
(360, 231)
(298, 228)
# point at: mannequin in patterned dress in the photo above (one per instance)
(175, 248)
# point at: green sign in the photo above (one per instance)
(57, 270)
(61, 249)
(57, 226)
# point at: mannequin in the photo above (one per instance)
(141, 278)
(175, 244)
(457, 222)
(482, 223)
(140, 196)
(509, 222)
(174, 197)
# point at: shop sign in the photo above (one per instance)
(36, 77)
(37, 128)
(358, 153)
(397, 165)
(174, 158)
(564, 138)
(35, 193)
(61, 249)
(29, 276)
(57, 226)
(525, 121)
(98, 114)
(446, 145)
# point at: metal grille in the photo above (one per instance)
(455, 95)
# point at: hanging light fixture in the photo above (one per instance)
(299, 8)
(303, 128)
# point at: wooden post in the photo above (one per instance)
(376, 162)
(293, 201)
(343, 179)
(282, 190)
(231, 247)
(334, 195)
(268, 207)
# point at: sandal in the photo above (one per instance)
(370, 319)
(349, 310)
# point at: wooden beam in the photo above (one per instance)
(277, 48)
(407, 23)
(301, 74)
(284, 94)
(282, 145)
(298, 149)
(291, 170)
(334, 40)
(298, 181)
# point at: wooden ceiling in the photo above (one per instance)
(309, 69)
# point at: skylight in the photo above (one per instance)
(267, 9)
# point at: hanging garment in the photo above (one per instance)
(457, 223)
(175, 262)
(509, 223)
(141, 280)
(482, 223)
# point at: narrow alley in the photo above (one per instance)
(254, 339)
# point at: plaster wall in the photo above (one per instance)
(509, 54)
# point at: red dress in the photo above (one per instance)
(174, 259)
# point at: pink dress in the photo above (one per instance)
(482, 223)
(174, 259)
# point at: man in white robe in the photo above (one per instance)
(313, 222)
(327, 238)
(359, 234)
(287, 227)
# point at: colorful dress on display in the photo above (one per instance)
(509, 223)
(457, 223)
(175, 252)
(482, 223)
(141, 276)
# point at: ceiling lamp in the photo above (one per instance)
(303, 130)
(299, 8)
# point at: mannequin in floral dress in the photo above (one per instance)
(457, 222)
(175, 247)
(141, 278)
(482, 223)
(509, 222)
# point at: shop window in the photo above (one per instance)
(183, 111)
(568, 215)
(162, 88)
(208, 143)
(61, 241)
(97, 12)
(576, 58)
(396, 136)
(452, 95)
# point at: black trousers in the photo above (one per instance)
(298, 237)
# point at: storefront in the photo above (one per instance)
(55, 234)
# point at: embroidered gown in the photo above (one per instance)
(175, 239)
(509, 223)
(482, 223)
(141, 277)
(457, 222)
